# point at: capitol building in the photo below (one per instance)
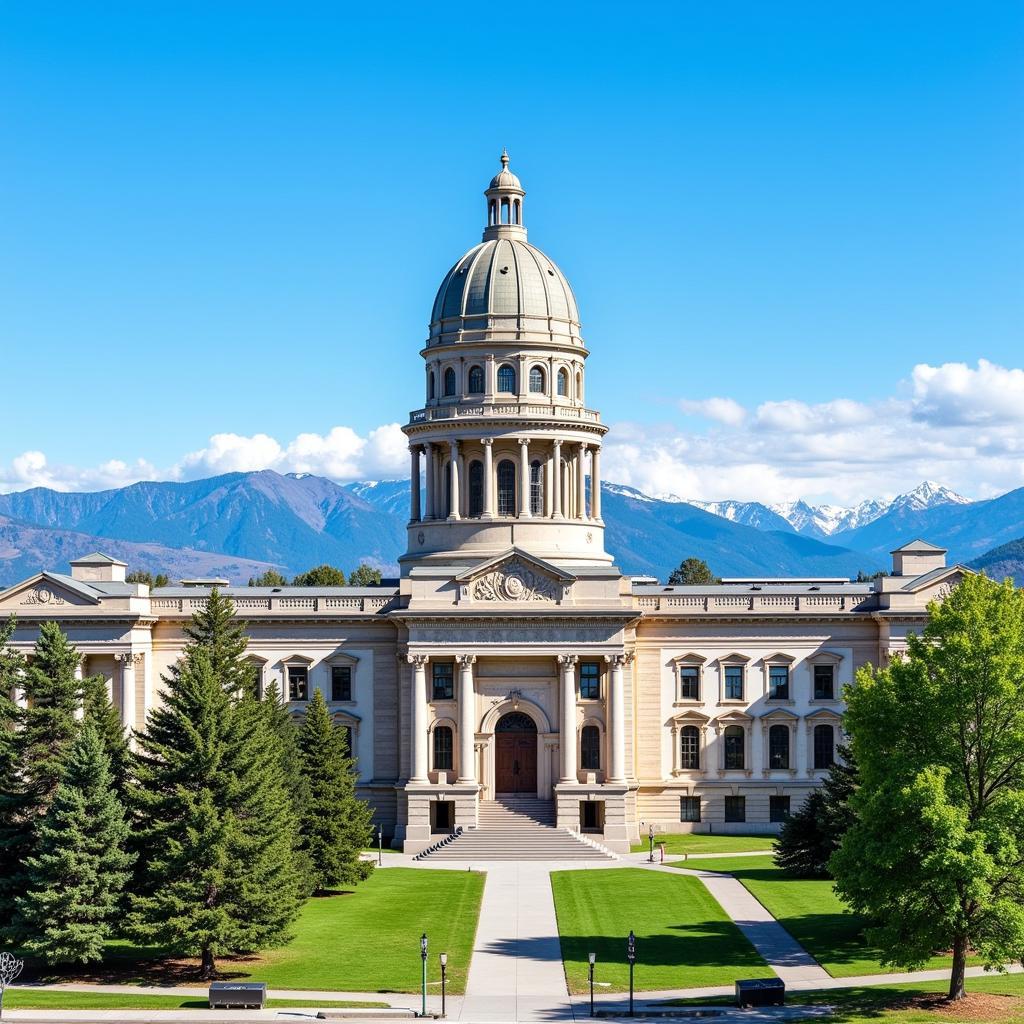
(513, 660)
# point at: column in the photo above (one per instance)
(616, 720)
(418, 723)
(595, 484)
(556, 493)
(489, 376)
(567, 738)
(453, 512)
(488, 442)
(581, 481)
(414, 469)
(675, 748)
(428, 451)
(467, 720)
(548, 476)
(523, 382)
(524, 477)
(127, 691)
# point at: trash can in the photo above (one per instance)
(238, 995)
(761, 992)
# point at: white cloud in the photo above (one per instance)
(721, 410)
(953, 423)
(956, 394)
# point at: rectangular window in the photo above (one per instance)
(443, 749)
(735, 808)
(778, 682)
(734, 682)
(590, 680)
(298, 682)
(444, 680)
(824, 682)
(778, 808)
(689, 808)
(341, 682)
(590, 748)
(689, 683)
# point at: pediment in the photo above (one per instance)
(779, 714)
(515, 577)
(46, 591)
(939, 582)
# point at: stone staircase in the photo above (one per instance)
(516, 828)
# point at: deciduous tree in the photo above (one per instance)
(692, 572)
(936, 852)
(321, 576)
(271, 578)
(364, 576)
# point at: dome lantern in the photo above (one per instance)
(504, 204)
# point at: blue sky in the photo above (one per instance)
(227, 221)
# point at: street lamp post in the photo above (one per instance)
(650, 836)
(631, 957)
(380, 845)
(423, 957)
(444, 972)
(592, 959)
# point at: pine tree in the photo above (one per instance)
(78, 872)
(104, 717)
(219, 827)
(12, 678)
(47, 728)
(336, 824)
(811, 835)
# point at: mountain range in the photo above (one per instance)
(238, 524)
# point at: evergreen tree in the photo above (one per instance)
(215, 628)
(102, 714)
(218, 824)
(47, 728)
(144, 576)
(336, 824)
(78, 871)
(811, 835)
(12, 678)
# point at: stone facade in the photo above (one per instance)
(513, 656)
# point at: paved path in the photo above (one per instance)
(516, 972)
(786, 957)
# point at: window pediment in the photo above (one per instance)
(779, 715)
(824, 715)
(690, 717)
(779, 658)
(341, 658)
(733, 659)
(689, 659)
(734, 718)
(297, 660)
(824, 658)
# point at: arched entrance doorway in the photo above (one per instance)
(515, 754)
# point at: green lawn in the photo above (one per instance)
(367, 940)
(884, 1002)
(683, 937)
(51, 999)
(814, 915)
(689, 842)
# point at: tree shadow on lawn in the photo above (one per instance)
(142, 966)
(697, 944)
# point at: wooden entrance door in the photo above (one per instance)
(515, 754)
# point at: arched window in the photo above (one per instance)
(506, 488)
(563, 383)
(536, 380)
(430, 385)
(449, 382)
(734, 744)
(443, 757)
(476, 488)
(506, 378)
(504, 211)
(689, 748)
(476, 380)
(824, 746)
(590, 748)
(778, 746)
(536, 488)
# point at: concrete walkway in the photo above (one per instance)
(516, 972)
(786, 957)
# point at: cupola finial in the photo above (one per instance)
(505, 204)
(504, 158)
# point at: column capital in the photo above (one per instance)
(568, 660)
(417, 659)
(454, 444)
(487, 441)
(466, 659)
(584, 446)
(524, 441)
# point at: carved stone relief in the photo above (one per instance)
(43, 595)
(515, 581)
